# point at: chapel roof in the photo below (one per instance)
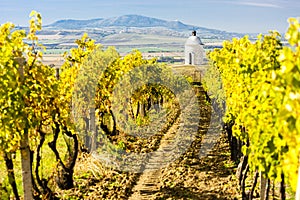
(194, 39)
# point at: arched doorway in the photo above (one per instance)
(191, 58)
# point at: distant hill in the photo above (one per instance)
(122, 21)
(135, 21)
(129, 32)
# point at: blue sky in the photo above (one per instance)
(251, 16)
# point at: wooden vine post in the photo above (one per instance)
(25, 149)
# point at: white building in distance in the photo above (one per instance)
(194, 51)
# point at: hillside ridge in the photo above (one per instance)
(131, 20)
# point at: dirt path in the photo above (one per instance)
(211, 177)
(189, 177)
(149, 181)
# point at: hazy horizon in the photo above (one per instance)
(243, 16)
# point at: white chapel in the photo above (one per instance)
(194, 51)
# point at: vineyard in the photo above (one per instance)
(110, 127)
(260, 85)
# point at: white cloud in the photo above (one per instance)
(259, 4)
(269, 3)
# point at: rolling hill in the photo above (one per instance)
(130, 32)
(132, 21)
(122, 21)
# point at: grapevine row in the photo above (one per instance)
(261, 87)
